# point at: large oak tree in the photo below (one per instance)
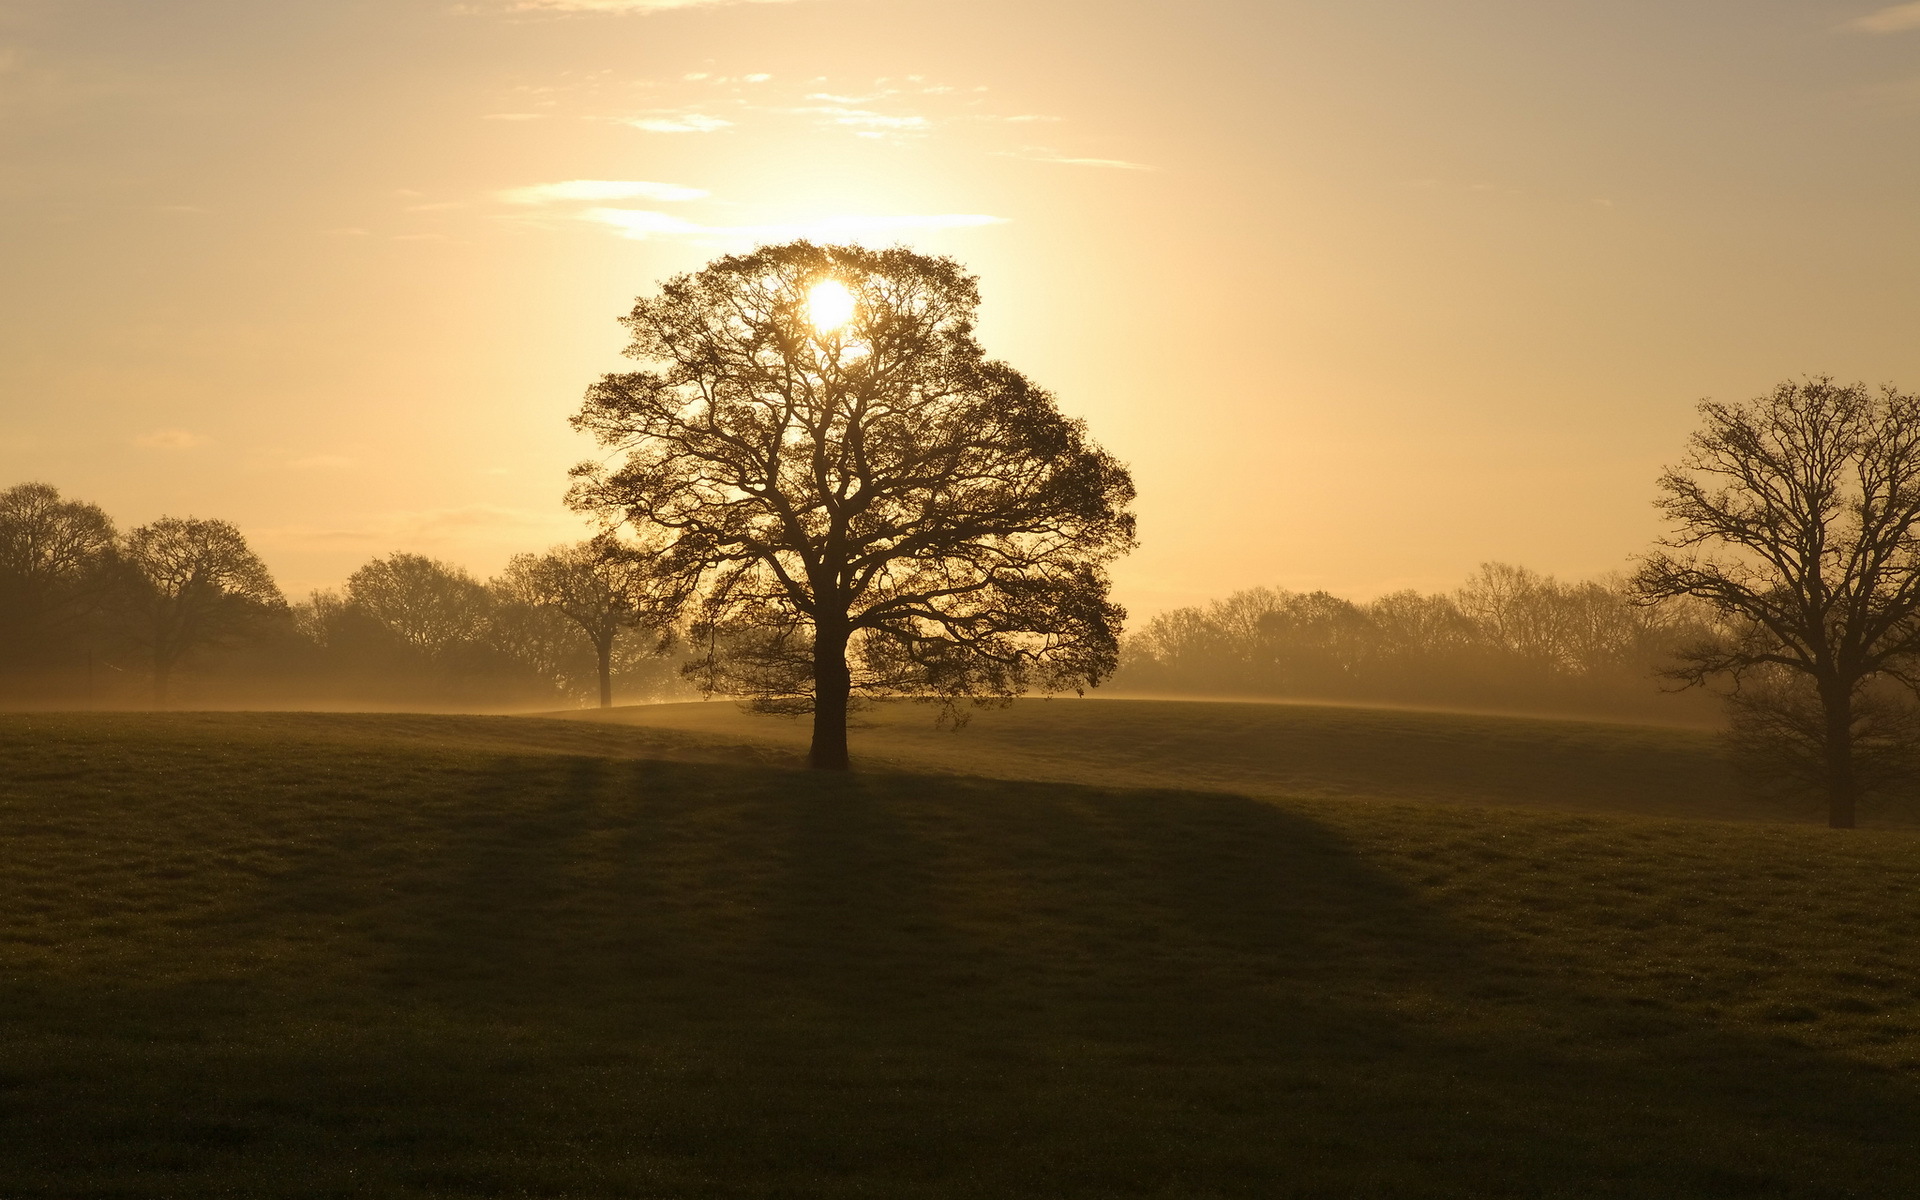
(1797, 517)
(872, 505)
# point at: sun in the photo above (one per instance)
(829, 305)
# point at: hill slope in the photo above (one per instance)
(285, 955)
(1297, 750)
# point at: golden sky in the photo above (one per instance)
(1366, 291)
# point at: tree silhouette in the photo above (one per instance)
(873, 505)
(431, 606)
(189, 582)
(604, 587)
(55, 565)
(1797, 517)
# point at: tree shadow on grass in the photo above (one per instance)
(583, 977)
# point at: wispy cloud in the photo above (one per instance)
(642, 225)
(690, 122)
(1042, 154)
(171, 439)
(1892, 19)
(864, 121)
(600, 189)
(625, 6)
(426, 527)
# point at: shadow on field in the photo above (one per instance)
(588, 977)
(1281, 750)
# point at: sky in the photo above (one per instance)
(1367, 292)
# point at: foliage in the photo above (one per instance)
(602, 587)
(56, 564)
(1796, 516)
(876, 508)
(435, 608)
(89, 619)
(190, 582)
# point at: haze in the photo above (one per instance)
(1366, 293)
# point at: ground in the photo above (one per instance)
(1079, 949)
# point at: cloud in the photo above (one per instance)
(1893, 19)
(626, 6)
(429, 527)
(1041, 154)
(864, 122)
(171, 439)
(600, 189)
(642, 225)
(692, 122)
(322, 462)
(512, 117)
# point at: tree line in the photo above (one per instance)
(816, 463)
(94, 616)
(1509, 638)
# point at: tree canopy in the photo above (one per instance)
(871, 504)
(191, 581)
(603, 587)
(55, 567)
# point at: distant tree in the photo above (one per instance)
(187, 583)
(55, 565)
(1797, 518)
(432, 606)
(604, 587)
(537, 643)
(875, 506)
(1509, 638)
(1517, 612)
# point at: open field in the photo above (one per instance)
(300, 955)
(1278, 750)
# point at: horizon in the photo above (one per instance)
(339, 274)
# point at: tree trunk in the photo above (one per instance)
(604, 648)
(832, 684)
(1842, 789)
(161, 670)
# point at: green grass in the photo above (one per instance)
(1279, 750)
(298, 955)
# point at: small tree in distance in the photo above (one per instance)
(1797, 517)
(604, 587)
(190, 582)
(432, 606)
(873, 505)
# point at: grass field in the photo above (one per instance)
(1276, 750)
(1077, 950)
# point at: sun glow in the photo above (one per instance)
(829, 305)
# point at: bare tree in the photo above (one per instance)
(605, 587)
(189, 582)
(875, 506)
(1797, 517)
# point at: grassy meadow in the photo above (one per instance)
(1079, 949)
